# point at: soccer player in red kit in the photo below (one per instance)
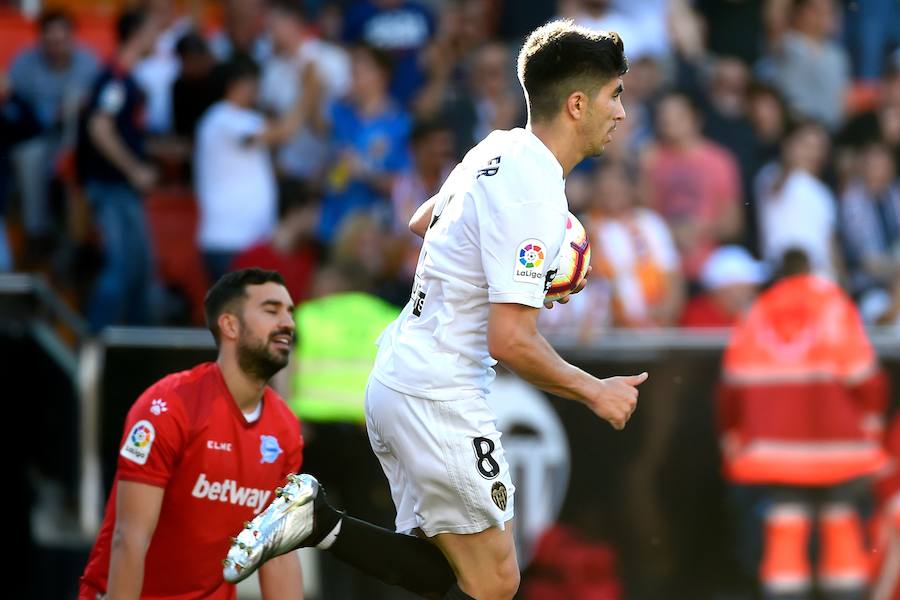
(200, 453)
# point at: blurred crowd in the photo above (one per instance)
(297, 134)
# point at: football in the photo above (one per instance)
(574, 258)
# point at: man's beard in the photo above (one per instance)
(256, 360)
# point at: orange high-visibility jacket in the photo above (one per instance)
(802, 395)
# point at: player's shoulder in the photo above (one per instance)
(175, 388)
(517, 160)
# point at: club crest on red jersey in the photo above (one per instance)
(269, 448)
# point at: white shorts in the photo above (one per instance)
(443, 460)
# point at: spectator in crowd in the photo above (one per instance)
(450, 62)
(17, 123)
(292, 250)
(586, 318)
(734, 28)
(692, 182)
(634, 251)
(401, 29)
(157, 72)
(870, 30)
(483, 102)
(515, 19)
(606, 15)
(234, 176)
(431, 149)
(495, 103)
(303, 69)
(726, 122)
(730, 279)
(369, 133)
(880, 124)
(196, 87)
(113, 166)
(795, 207)
(810, 68)
(768, 114)
(243, 32)
(53, 78)
(870, 228)
(800, 412)
(646, 87)
(365, 242)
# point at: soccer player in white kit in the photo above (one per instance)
(493, 235)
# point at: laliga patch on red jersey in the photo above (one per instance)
(139, 442)
(530, 257)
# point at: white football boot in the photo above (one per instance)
(283, 526)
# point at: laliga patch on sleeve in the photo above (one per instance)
(139, 441)
(530, 257)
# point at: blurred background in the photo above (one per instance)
(755, 127)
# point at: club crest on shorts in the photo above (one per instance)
(498, 495)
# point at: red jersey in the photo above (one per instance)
(187, 435)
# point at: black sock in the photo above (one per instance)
(454, 593)
(412, 563)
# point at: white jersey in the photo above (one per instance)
(495, 236)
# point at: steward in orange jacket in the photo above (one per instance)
(800, 410)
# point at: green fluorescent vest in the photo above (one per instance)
(335, 351)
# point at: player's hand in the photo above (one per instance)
(577, 289)
(615, 398)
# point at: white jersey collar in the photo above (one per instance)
(541, 148)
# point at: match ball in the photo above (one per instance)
(574, 258)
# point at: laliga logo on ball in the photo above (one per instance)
(574, 258)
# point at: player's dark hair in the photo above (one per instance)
(230, 289)
(53, 16)
(560, 58)
(129, 23)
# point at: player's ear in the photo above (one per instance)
(577, 105)
(229, 326)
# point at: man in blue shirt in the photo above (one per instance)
(368, 134)
(52, 78)
(115, 172)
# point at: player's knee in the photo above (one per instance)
(502, 584)
(509, 582)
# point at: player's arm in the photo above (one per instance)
(420, 220)
(137, 510)
(282, 577)
(514, 340)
